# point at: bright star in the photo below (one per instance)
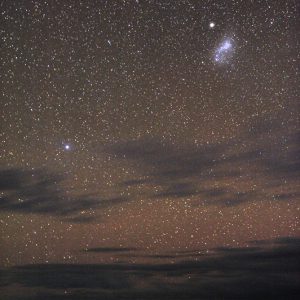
(212, 24)
(67, 147)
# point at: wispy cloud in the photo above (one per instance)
(42, 192)
(255, 166)
(258, 165)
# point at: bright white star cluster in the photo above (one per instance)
(223, 51)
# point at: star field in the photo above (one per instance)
(163, 126)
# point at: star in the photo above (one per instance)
(67, 147)
(212, 24)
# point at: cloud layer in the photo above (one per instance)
(259, 165)
(268, 270)
(42, 192)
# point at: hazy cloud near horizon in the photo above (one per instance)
(268, 270)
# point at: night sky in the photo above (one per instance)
(140, 138)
